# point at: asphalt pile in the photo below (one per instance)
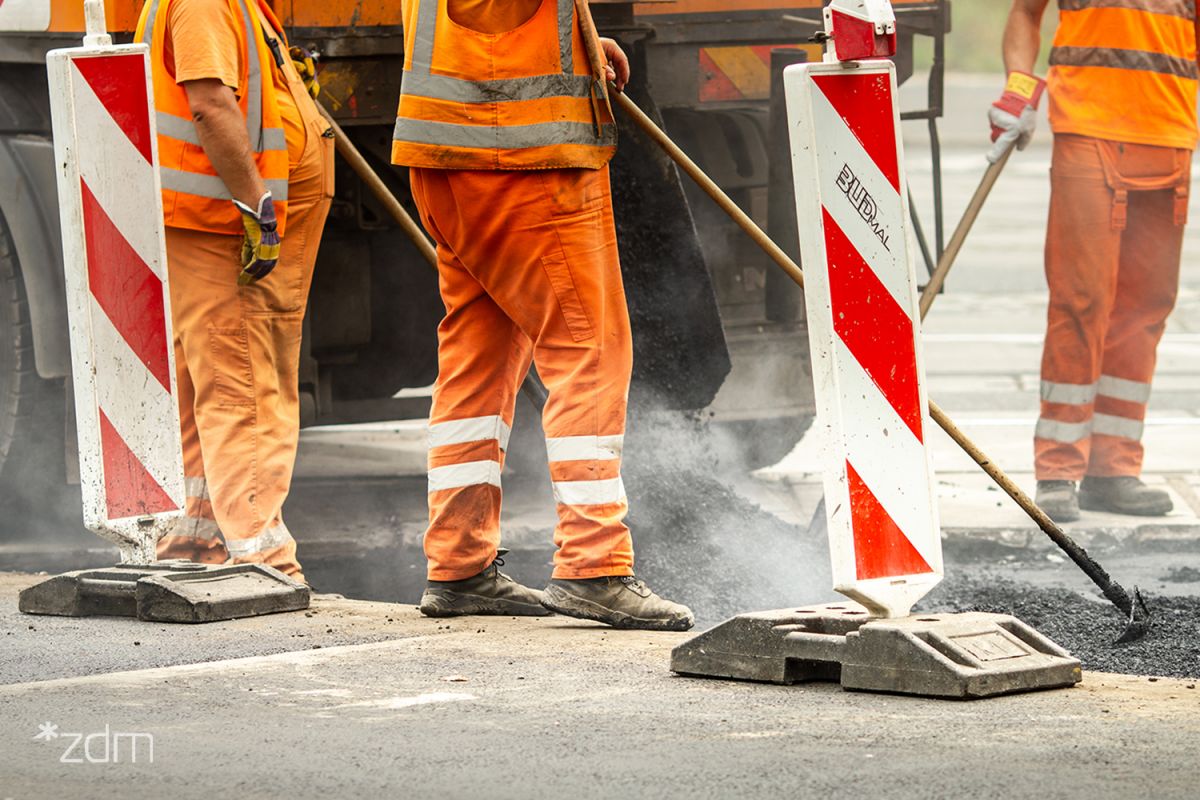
(1087, 627)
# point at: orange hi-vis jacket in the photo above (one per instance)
(530, 98)
(194, 196)
(1125, 70)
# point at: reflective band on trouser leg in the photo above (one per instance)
(1146, 289)
(197, 537)
(534, 257)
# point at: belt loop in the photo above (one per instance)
(1181, 205)
(1120, 209)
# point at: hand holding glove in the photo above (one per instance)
(260, 247)
(305, 63)
(1014, 115)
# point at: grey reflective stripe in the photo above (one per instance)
(503, 90)
(1173, 8)
(1066, 432)
(424, 33)
(1122, 389)
(254, 88)
(185, 131)
(211, 186)
(1116, 58)
(1074, 394)
(566, 29)
(1122, 427)
(196, 487)
(148, 32)
(201, 529)
(509, 137)
(270, 539)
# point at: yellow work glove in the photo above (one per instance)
(260, 247)
(306, 64)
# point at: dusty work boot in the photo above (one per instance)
(1058, 499)
(1123, 495)
(491, 592)
(623, 602)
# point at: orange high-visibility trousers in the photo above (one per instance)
(237, 359)
(1117, 212)
(528, 268)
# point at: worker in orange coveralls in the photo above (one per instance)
(247, 175)
(505, 122)
(1122, 86)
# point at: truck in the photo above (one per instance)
(718, 332)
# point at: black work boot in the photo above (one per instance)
(1123, 495)
(1058, 499)
(623, 602)
(491, 592)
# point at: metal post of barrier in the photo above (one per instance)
(126, 404)
(864, 333)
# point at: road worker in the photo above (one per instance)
(1122, 88)
(505, 122)
(247, 178)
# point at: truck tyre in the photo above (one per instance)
(31, 425)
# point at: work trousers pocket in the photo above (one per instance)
(233, 373)
(563, 283)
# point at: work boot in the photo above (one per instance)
(1123, 495)
(623, 602)
(1059, 500)
(491, 592)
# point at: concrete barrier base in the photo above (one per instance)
(960, 656)
(168, 591)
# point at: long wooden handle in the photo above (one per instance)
(383, 194)
(938, 278)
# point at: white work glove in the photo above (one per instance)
(1013, 129)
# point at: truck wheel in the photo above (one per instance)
(31, 427)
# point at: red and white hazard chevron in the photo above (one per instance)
(131, 463)
(863, 324)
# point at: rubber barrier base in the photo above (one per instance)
(961, 656)
(168, 591)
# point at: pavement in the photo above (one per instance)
(517, 708)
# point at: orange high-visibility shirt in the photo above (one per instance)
(1126, 71)
(202, 43)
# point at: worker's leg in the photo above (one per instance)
(542, 245)
(1146, 290)
(1082, 251)
(242, 348)
(482, 357)
(196, 537)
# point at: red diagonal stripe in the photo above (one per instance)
(873, 326)
(119, 82)
(715, 84)
(864, 102)
(881, 549)
(128, 290)
(129, 490)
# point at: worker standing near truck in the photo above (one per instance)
(247, 175)
(505, 123)
(1122, 86)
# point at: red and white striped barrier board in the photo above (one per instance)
(864, 329)
(130, 458)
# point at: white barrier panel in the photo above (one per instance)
(130, 457)
(863, 322)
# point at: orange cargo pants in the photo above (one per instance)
(237, 359)
(528, 268)
(1113, 246)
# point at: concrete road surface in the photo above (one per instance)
(541, 708)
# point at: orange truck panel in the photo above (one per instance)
(716, 6)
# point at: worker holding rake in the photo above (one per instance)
(505, 123)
